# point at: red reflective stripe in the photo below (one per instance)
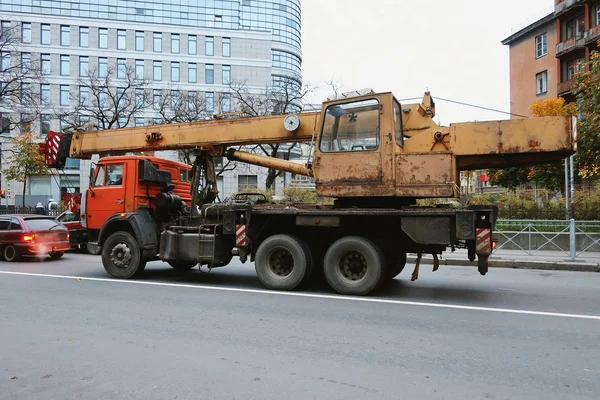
(483, 243)
(240, 236)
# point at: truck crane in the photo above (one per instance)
(372, 155)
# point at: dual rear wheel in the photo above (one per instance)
(352, 265)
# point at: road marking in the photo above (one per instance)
(314, 296)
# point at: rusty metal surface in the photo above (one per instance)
(425, 175)
(202, 134)
(269, 162)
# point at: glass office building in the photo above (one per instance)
(194, 46)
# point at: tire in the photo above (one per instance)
(354, 265)
(10, 253)
(55, 255)
(283, 262)
(121, 256)
(93, 249)
(182, 265)
(396, 265)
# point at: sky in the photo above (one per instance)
(450, 47)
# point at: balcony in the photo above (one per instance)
(565, 6)
(574, 43)
(593, 35)
(565, 87)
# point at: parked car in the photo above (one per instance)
(78, 234)
(32, 235)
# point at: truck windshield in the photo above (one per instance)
(351, 127)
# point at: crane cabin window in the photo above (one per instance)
(397, 111)
(351, 126)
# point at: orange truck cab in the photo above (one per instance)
(133, 193)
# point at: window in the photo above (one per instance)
(26, 93)
(226, 103)
(5, 61)
(574, 27)
(121, 39)
(398, 123)
(84, 64)
(542, 82)
(209, 100)
(109, 175)
(122, 122)
(4, 224)
(192, 73)
(175, 69)
(26, 121)
(541, 45)
(157, 70)
(64, 95)
(226, 47)
(192, 45)
(597, 15)
(175, 43)
(139, 40)
(6, 30)
(571, 67)
(45, 124)
(45, 94)
(65, 35)
(84, 36)
(45, 64)
(246, 182)
(102, 67)
(351, 127)
(139, 69)
(192, 100)
(175, 99)
(139, 97)
(25, 62)
(84, 96)
(45, 34)
(209, 49)
(139, 122)
(121, 68)
(65, 65)
(103, 97)
(226, 74)
(209, 74)
(157, 42)
(157, 99)
(121, 99)
(26, 32)
(103, 38)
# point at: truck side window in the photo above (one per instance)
(114, 174)
(351, 127)
(100, 175)
(397, 111)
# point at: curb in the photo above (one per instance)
(517, 264)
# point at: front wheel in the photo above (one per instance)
(55, 255)
(121, 256)
(354, 265)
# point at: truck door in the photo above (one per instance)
(349, 158)
(106, 196)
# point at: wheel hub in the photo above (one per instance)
(281, 263)
(353, 266)
(120, 255)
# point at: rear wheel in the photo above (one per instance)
(93, 249)
(121, 256)
(10, 253)
(354, 265)
(283, 262)
(55, 255)
(396, 265)
(182, 265)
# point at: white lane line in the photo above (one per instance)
(314, 296)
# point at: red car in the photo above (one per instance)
(32, 235)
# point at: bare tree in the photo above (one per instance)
(107, 99)
(284, 97)
(19, 78)
(176, 106)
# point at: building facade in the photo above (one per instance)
(174, 45)
(545, 55)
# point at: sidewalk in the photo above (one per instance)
(543, 259)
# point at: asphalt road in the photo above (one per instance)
(69, 332)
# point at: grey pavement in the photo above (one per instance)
(541, 259)
(220, 336)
